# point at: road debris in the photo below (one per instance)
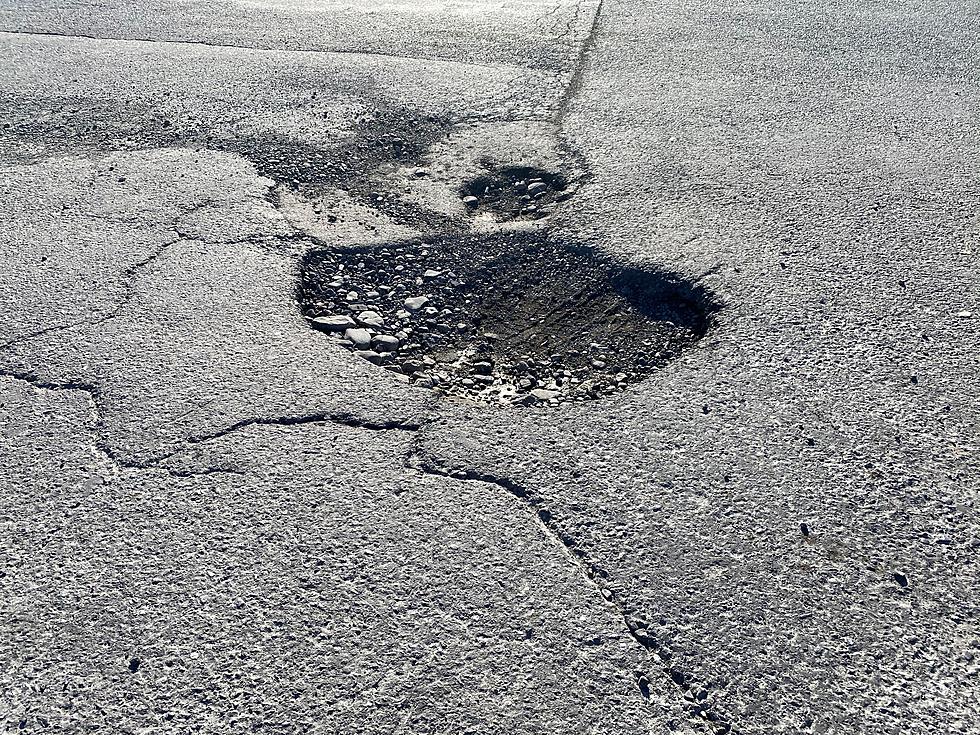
(503, 319)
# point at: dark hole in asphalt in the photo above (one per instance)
(517, 192)
(503, 318)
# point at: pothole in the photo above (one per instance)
(516, 192)
(504, 318)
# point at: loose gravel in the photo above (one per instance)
(512, 318)
(516, 193)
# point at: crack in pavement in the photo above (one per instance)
(40, 333)
(127, 279)
(422, 461)
(94, 396)
(592, 571)
(129, 275)
(417, 459)
(343, 418)
(571, 91)
(269, 49)
(202, 473)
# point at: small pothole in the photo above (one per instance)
(515, 193)
(503, 318)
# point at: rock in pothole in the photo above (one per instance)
(515, 193)
(504, 318)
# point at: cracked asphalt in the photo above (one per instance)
(216, 520)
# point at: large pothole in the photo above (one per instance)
(504, 318)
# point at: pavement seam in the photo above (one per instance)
(265, 49)
(580, 64)
(421, 461)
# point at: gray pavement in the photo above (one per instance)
(216, 520)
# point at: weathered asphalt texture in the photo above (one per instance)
(215, 520)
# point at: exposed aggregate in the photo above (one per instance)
(502, 319)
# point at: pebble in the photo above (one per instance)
(536, 187)
(470, 201)
(371, 319)
(370, 356)
(385, 343)
(541, 394)
(360, 338)
(430, 274)
(416, 302)
(337, 323)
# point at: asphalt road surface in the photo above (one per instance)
(216, 519)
